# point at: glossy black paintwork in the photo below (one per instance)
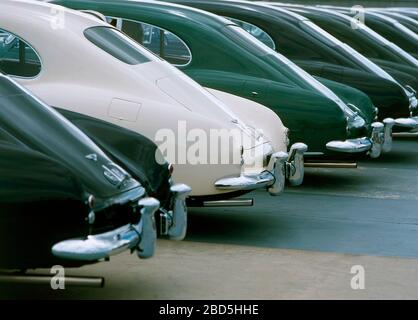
(41, 203)
(41, 128)
(45, 179)
(131, 150)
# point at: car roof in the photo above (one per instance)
(130, 8)
(238, 5)
(45, 12)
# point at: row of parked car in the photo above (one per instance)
(104, 107)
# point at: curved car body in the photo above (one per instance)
(408, 22)
(318, 53)
(409, 12)
(385, 59)
(119, 82)
(60, 193)
(398, 14)
(392, 29)
(376, 47)
(224, 57)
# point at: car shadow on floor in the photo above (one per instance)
(404, 152)
(333, 180)
(369, 210)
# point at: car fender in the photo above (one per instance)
(133, 151)
(265, 120)
(351, 95)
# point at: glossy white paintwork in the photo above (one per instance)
(78, 76)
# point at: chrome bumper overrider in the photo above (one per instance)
(173, 222)
(387, 134)
(410, 123)
(380, 141)
(285, 166)
(140, 237)
(295, 167)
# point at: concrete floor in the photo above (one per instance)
(299, 245)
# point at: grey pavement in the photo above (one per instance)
(301, 245)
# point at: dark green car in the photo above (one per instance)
(391, 29)
(406, 21)
(395, 62)
(320, 54)
(366, 41)
(219, 54)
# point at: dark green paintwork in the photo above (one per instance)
(391, 33)
(401, 18)
(314, 54)
(396, 65)
(225, 61)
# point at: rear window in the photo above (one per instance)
(163, 43)
(318, 33)
(118, 45)
(17, 58)
(256, 32)
(248, 41)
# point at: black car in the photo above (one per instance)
(63, 200)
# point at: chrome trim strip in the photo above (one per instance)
(229, 203)
(313, 153)
(345, 165)
(39, 279)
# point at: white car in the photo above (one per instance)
(221, 145)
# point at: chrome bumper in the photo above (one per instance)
(285, 166)
(410, 123)
(380, 141)
(173, 222)
(140, 237)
